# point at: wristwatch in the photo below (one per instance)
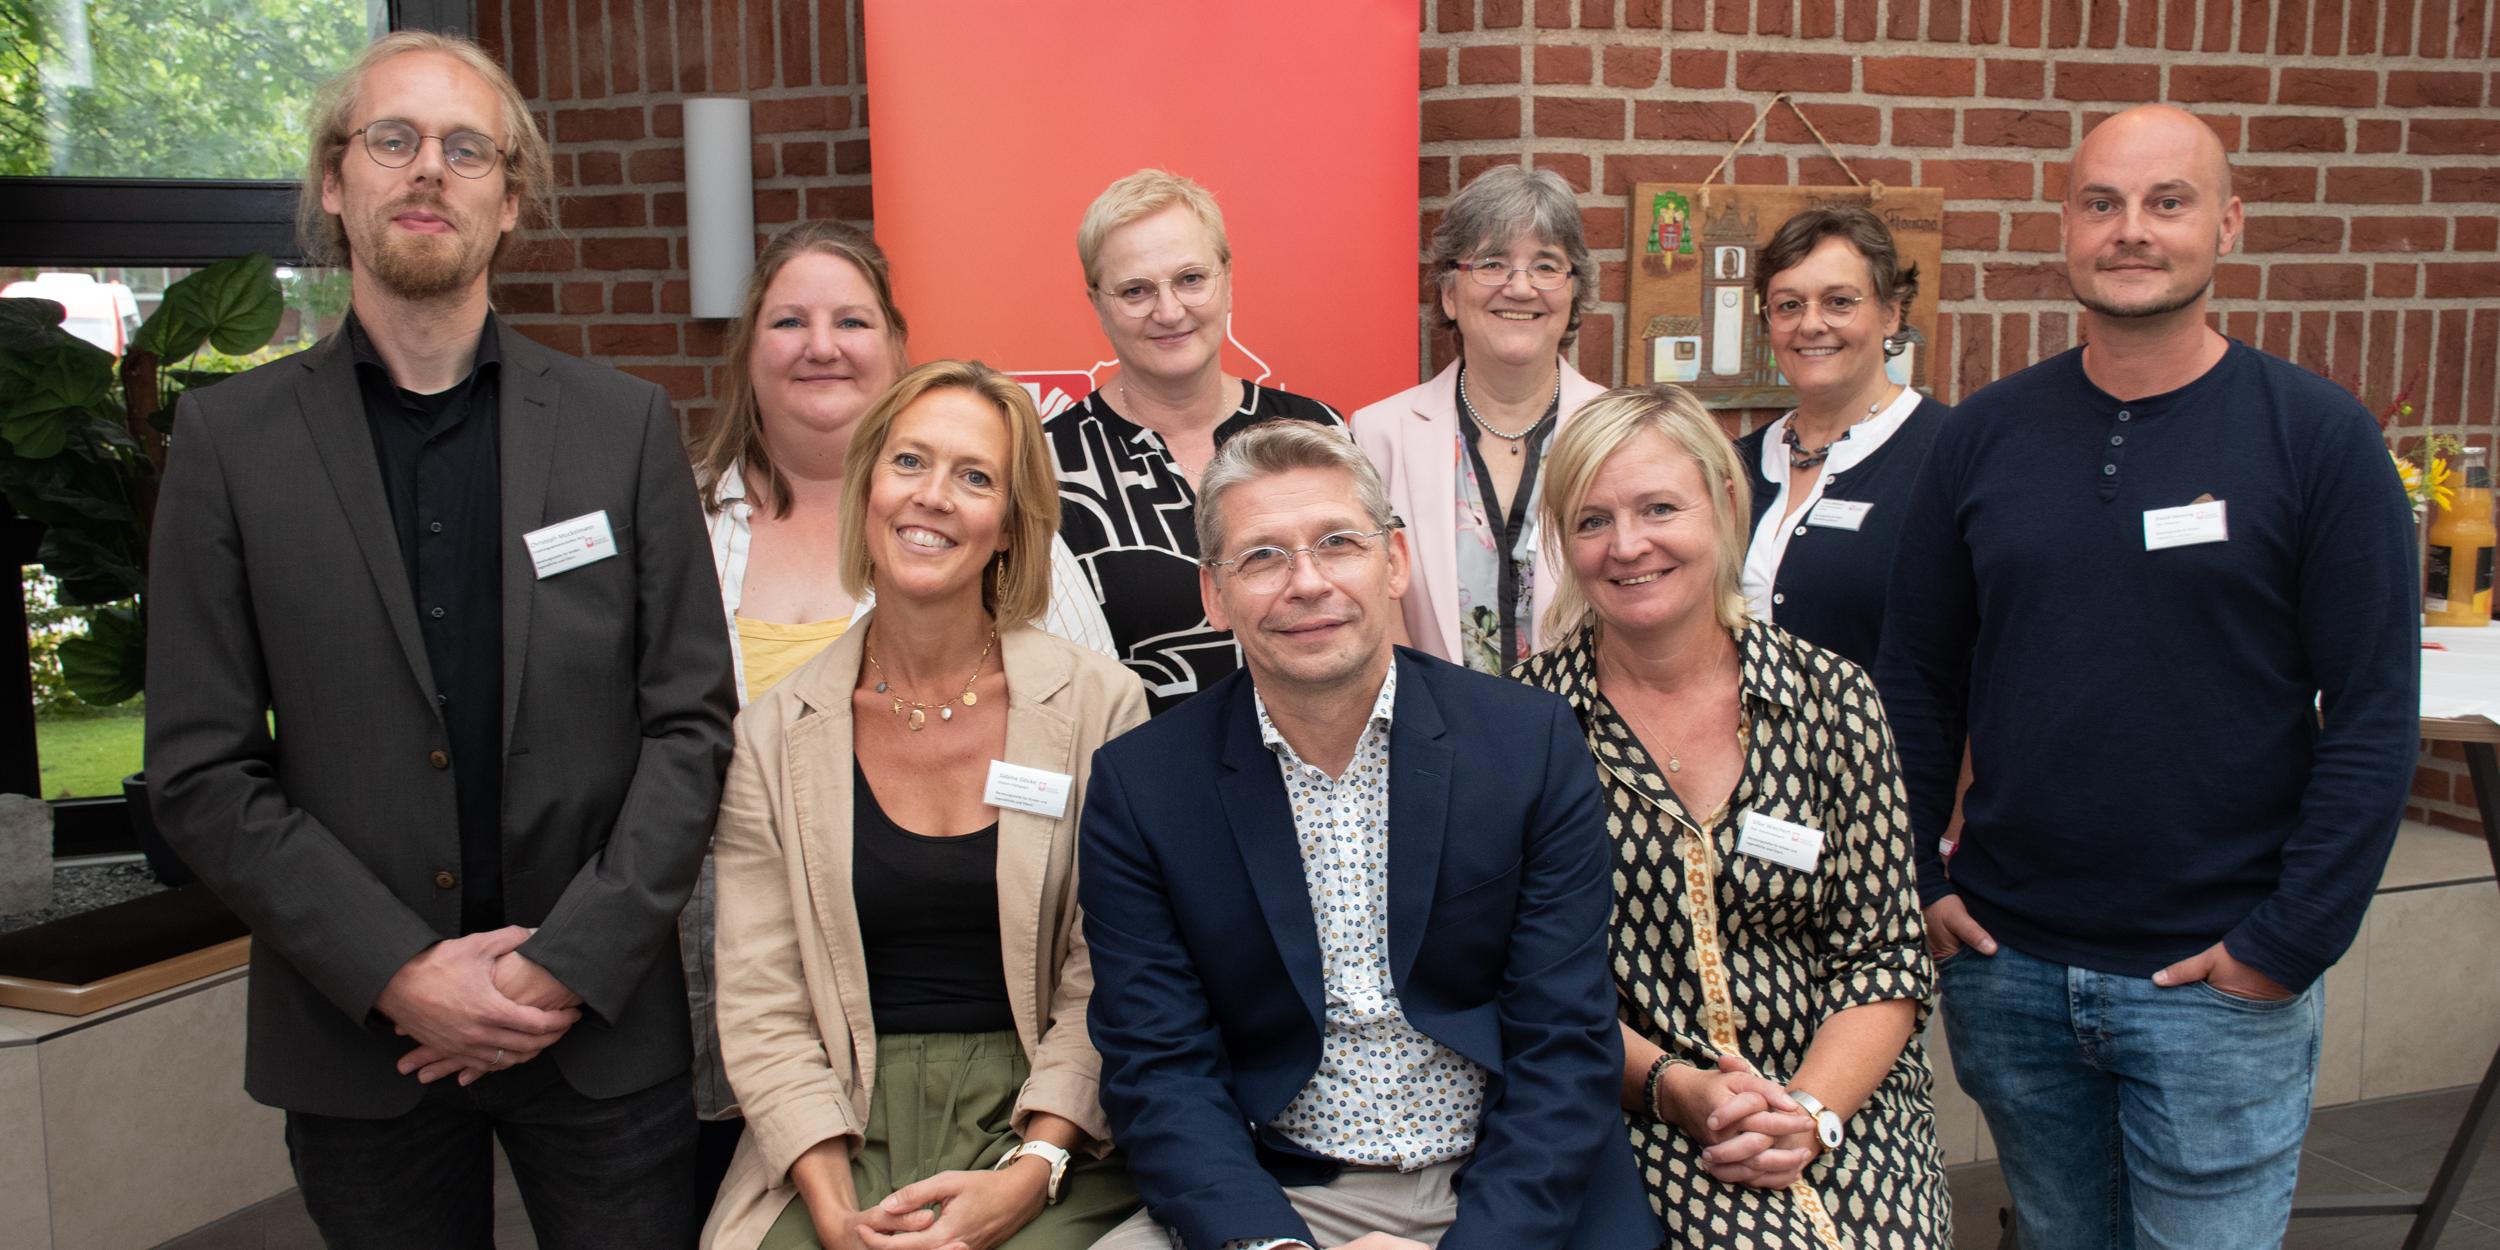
(1826, 1124)
(1048, 1153)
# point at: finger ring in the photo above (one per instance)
(498, 1058)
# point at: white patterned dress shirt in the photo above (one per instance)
(1384, 1094)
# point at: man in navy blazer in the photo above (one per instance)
(1348, 915)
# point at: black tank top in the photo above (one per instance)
(928, 920)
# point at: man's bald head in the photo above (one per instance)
(2148, 215)
(2164, 135)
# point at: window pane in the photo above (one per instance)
(148, 89)
(84, 749)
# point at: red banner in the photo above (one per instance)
(995, 122)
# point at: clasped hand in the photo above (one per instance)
(475, 1005)
(1752, 1132)
(972, 1211)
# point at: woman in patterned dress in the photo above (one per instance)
(1767, 942)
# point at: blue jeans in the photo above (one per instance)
(605, 1173)
(2127, 1115)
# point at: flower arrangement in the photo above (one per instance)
(2428, 481)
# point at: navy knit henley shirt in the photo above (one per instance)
(2174, 746)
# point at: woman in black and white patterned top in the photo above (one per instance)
(1159, 272)
(1767, 940)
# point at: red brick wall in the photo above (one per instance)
(2366, 134)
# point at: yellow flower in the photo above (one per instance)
(2442, 489)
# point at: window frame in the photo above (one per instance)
(185, 223)
(182, 222)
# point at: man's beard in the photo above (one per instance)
(416, 267)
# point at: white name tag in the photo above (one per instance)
(1840, 514)
(2185, 525)
(571, 544)
(1034, 790)
(1779, 841)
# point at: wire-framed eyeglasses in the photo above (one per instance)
(1837, 309)
(393, 145)
(1334, 554)
(1193, 287)
(1544, 275)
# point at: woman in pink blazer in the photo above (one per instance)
(1460, 453)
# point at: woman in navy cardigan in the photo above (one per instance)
(1831, 477)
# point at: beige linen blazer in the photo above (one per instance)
(793, 1012)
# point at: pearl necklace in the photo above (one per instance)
(1515, 440)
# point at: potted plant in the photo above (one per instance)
(85, 437)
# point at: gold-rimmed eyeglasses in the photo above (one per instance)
(1265, 568)
(1193, 287)
(393, 145)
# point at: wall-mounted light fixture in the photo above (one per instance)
(720, 204)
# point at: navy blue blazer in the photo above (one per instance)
(1207, 1003)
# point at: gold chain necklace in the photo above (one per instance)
(919, 718)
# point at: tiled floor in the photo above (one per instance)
(2391, 1145)
(2386, 1146)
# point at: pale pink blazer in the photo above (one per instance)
(1411, 438)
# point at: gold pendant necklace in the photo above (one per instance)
(945, 708)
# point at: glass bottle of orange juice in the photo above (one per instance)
(2457, 590)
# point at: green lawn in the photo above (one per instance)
(86, 756)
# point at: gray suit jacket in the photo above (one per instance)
(276, 584)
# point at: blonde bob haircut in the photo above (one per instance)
(1141, 195)
(528, 171)
(1022, 592)
(1593, 436)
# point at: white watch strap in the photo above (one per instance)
(1827, 1125)
(1055, 1156)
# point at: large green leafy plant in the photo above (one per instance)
(86, 437)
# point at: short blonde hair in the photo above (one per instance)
(528, 171)
(1023, 593)
(1141, 195)
(1599, 430)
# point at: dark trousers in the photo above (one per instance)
(613, 1173)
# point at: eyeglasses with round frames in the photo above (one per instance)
(1335, 555)
(1193, 287)
(393, 145)
(1544, 275)
(1837, 309)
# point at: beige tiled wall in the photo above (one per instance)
(144, 1129)
(25, 1208)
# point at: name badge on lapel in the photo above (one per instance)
(564, 545)
(2186, 525)
(1035, 790)
(1779, 841)
(1840, 514)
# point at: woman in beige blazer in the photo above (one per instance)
(903, 979)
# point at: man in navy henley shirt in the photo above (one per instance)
(2161, 588)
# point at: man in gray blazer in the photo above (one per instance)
(468, 577)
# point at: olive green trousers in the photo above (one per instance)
(943, 1103)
